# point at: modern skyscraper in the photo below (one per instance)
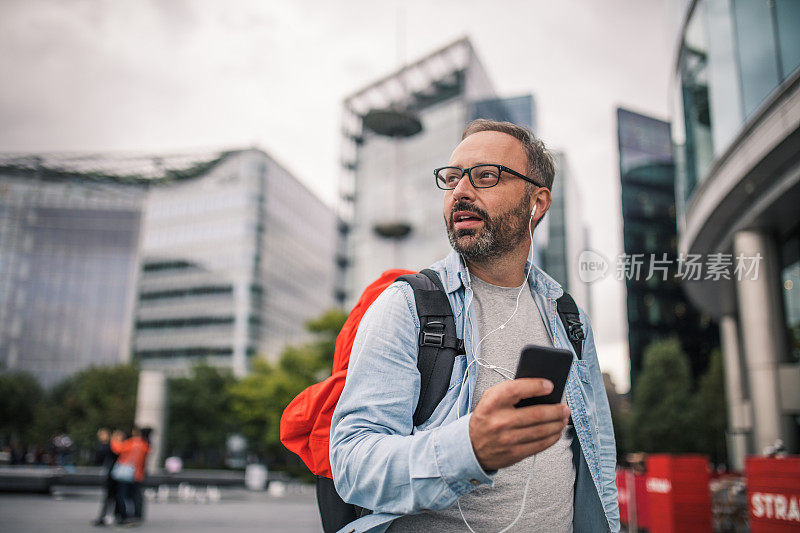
(736, 126)
(396, 131)
(656, 305)
(234, 262)
(517, 109)
(562, 235)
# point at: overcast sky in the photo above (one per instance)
(173, 75)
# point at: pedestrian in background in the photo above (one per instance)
(106, 458)
(138, 500)
(129, 473)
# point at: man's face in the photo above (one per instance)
(488, 223)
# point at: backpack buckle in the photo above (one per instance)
(576, 332)
(433, 338)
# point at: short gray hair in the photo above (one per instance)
(540, 161)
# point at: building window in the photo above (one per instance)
(166, 265)
(698, 151)
(758, 65)
(787, 17)
(196, 351)
(790, 281)
(188, 322)
(182, 293)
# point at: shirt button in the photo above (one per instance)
(475, 482)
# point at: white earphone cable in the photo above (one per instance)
(500, 371)
(521, 507)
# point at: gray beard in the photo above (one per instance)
(496, 238)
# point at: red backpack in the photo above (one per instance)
(306, 421)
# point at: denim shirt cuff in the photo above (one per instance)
(456, 459)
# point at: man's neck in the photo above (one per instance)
(506, 271)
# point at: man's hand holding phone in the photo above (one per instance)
(503, 435)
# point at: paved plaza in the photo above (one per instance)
(70, 510)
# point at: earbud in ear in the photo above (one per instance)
(534, 211)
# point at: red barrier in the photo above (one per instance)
(773, 493)
(631, 488)
(677, 493)
(642, 502)
(623, 496)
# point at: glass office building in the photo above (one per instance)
(69, 235)
(234, 262)
(561, 235)
(552, 254)
(656, 307)
(736, 128)
(210, 257)
(396, 131)
(518, 109)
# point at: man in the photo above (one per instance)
(478, 460)
(103, 456)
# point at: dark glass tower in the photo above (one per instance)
(519, 110)
(656, 307)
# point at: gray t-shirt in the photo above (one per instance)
(548, 506)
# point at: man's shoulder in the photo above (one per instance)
(390, 321)
(395, 303)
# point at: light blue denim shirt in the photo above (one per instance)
(382, 462)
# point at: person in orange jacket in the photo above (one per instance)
(132, 456)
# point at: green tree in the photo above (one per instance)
(21, 398)
(661, 415)
(198, 410)
(259, 399)
(710, 410)
(103, 396)
(326, 328)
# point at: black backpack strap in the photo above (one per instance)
(570, 317)
(333, 511)
(438, 343)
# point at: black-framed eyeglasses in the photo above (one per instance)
(481, 176)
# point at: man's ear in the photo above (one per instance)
(541, 201)
(540, 204)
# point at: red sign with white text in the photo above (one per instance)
(773, 493)
(678, 495)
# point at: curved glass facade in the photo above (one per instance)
(735, 125)
(733, 55)
(68, 254)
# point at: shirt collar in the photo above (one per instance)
(456, 276)
(455, 272)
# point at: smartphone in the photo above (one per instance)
(544, 362)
